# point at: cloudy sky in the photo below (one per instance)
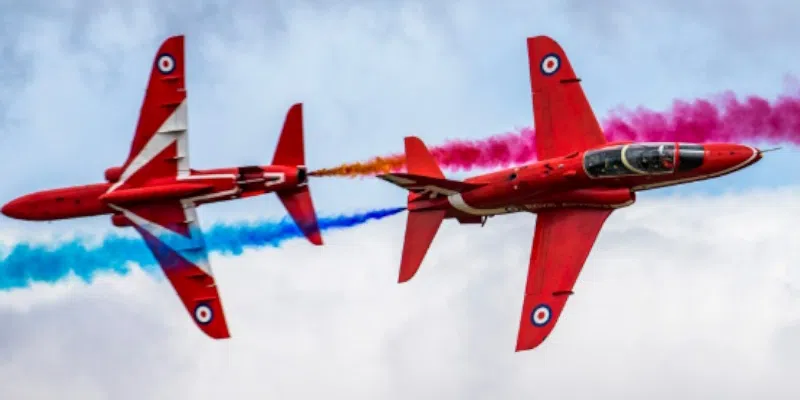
(691, 293)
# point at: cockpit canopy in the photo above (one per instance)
(641, 159)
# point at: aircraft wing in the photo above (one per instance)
(561, 244)
(563, 117)
(173, 234)
(160, 144)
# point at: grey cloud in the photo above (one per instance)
(90, 343)
(657, 311)
(786, 345)
(651, 317)
(741, 24)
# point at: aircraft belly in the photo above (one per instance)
(531, 205)
(457, 202)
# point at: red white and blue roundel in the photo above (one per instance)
(540, 315)
(165, 63)
(203, 314)
(550, 64)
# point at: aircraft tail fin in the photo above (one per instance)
(300, 207)
(422, 187)
(424, 176)
(290, 152)
(424, 180)
(420, 161)
(421, 228)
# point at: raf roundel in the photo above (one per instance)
(165, 64)
(540, 315)
(203, 314)
(550, 64)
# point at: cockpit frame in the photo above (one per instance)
(635, 159)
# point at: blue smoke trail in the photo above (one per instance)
(28, 263)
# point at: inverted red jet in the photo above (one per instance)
(576, 184)
(156, 192)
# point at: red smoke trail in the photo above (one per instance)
(727, 119)
(724, 119)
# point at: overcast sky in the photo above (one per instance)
(690, 293)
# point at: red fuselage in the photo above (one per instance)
(604, 177)
(200, 186)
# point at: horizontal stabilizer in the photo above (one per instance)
(421, 185)
(300, 207)
(421, 228)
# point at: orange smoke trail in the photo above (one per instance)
(377, 165)
(495, 151)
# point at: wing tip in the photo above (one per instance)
(547, 60)
(528, 343)
(405, 276)
(216, 329)
(541, 39)
(315, 238)
(221, 336)
(209, 316)
(544, 43)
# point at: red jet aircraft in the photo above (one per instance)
(579, 180)
(156, 192)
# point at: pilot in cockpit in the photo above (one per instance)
(652, 159)
(667, 162)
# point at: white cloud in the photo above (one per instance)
(684, 297)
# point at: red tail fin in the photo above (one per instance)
(421, 228)
(299, 206)
(419, 161)
(420, 185)
(424, 175)
(290, 152)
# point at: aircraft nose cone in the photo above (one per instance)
(741, 154)
(12, 209)
(730, 156)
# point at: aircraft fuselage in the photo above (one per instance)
(603, 177)
(199, 187)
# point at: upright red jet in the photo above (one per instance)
(156, 192)
(579, 180)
